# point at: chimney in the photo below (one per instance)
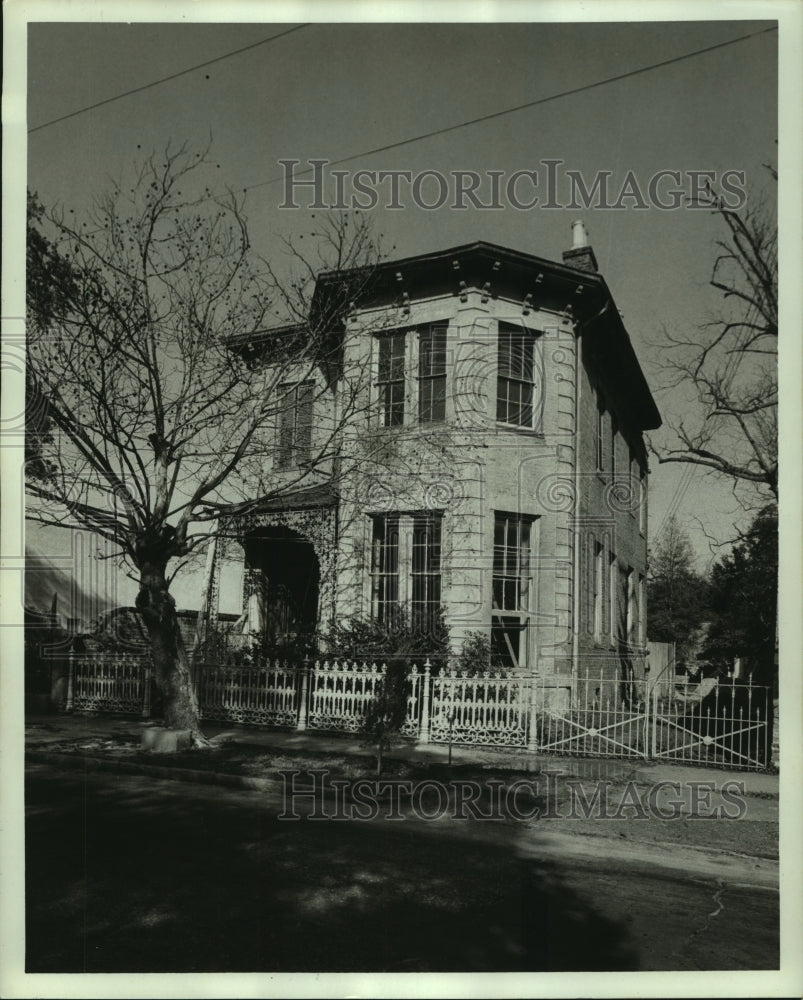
(581, 256)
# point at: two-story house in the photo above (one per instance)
(477, 447)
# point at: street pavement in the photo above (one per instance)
(127, 873)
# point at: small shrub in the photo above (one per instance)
(476, 656)
(397, 641)
(386, 713)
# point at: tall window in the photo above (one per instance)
(605, 601)
(295, 425)
(592, 580)
(385, 567)
(599, 589)
(614, 437)
(511, 587)
(425, 578)
(406, 566)
(642, 618)
(623, 606)
(634, 484)
(515, 373)
(432, 375)
(614, 602)
(631, 592)
(642, 521)
(390, 380)
(599, 437)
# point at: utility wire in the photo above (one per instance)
(522, 107)
(166, 79)
(425, 135)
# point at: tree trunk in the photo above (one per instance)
(170, 663)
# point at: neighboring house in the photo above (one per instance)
(492, 464)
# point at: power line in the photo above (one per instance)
(522, 107)
(166, 79)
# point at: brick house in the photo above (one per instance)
(491, 462)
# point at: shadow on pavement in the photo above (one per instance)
(129, 875)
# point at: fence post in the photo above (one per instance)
(301, 724)
(532, 736)
(68, 706)
(146, 693)
(652, 723)
(424, 734)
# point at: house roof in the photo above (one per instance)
(512, 274)
(499, 271)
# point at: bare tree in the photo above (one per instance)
(163, 391)
(730, 363)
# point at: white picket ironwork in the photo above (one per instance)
(489, 709)
(340, 693)
(109, 682)
(710, 722)
(412, 723)
(264, 694)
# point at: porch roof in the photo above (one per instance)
(312, 496)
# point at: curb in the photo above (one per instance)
(689, 857)
(80, 762)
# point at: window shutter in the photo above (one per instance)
(286, 424)
(303, 442)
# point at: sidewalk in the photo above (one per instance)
(586, 792)
(41, 730)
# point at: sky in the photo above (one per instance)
(335, 91)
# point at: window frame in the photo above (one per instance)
(598, 591)
(634, 470)
(518, 617)
(393, 585)
(614, 437)
(642, 526)
(599, 436)
(385, 564)
(426, 574)
(526, 384)
(391, 392)
(289, 456)
(427, 381)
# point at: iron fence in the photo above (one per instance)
(711, 722)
